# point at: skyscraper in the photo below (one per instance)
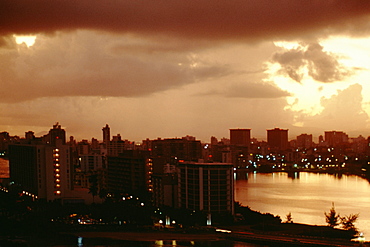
(277, 138)
(106, 135)
(240, 137)
(56, 133)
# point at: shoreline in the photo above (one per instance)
(150, 236)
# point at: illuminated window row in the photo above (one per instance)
(56, 172)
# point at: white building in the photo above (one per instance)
(206, 186)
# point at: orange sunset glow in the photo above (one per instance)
(172, 68)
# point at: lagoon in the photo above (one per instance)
(307, 196)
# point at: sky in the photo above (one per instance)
(169, 68)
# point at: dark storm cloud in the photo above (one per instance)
(321, 65)
(225, 19)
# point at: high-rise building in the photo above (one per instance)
(206, 186)
(304, 141)
(130, 172)
(165, 190)
(117, 145)
(277, 139)
(4, 141)
(43, 170)
(334, 138)
(240, 137)
(106, 135)
(55, 134)
(29, 135)
(186, 148)
(240, 143)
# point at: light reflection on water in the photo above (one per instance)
(306, 196)
(4, 168)
(83, 242)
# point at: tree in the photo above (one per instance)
(289, 218)
(93, 189)
(332, 218)
(347, 222)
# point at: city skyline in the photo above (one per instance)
(171, 69)
(238, 136)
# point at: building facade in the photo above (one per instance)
(206, 186)
(42, 170)
(130, 172)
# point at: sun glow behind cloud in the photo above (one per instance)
(29, 40)
(307, 94)
(355, 53)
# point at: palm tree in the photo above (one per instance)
(348, 221)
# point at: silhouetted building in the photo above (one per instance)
(30, 135)
(83, 147)
(304, 141)
(56, 133)
(240, 137)
(4, 142)
(334, 138)
(130, 172)
(186, 148)
(277, 138)
(358, 144)
(106, 135)
(117, 145)
(206, 186)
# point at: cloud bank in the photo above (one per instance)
(342, 109)
(203, 19)
(88, 64)
(249, 90)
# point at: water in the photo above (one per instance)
(174, 243)
(4, 168)
(306, 196)
(70, 241)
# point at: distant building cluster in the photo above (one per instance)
(176, 172)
